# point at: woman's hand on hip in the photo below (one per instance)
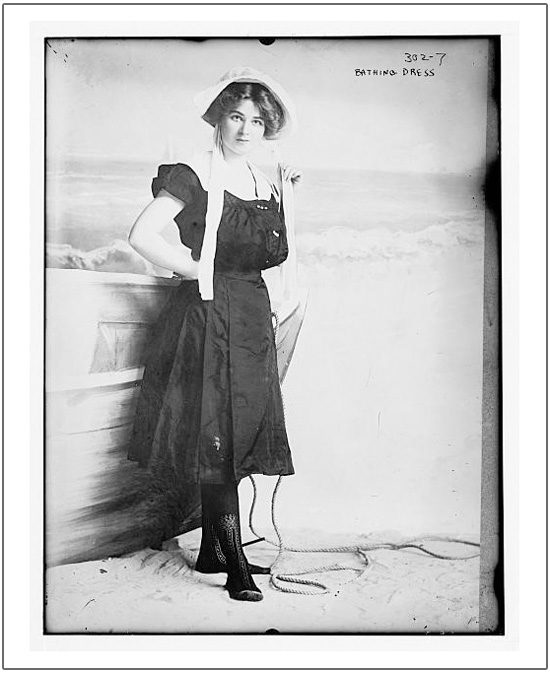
(147, 239)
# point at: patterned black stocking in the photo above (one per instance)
(221, 547)
(211, 559)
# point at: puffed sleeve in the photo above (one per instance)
(178, 180)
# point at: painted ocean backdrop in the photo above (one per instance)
(349, 215)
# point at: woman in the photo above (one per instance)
(210, 409)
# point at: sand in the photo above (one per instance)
(159, 592)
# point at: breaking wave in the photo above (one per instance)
(116, 257)
(338, 244)
(345, 244)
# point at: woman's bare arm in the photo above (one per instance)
(146, 237)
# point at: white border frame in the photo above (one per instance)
(523, 30)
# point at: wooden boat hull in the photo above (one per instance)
(97, 502)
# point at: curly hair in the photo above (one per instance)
(270, 110)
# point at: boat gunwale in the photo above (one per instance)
(87, 276)
(127, 377)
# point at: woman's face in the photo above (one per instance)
(242, 129)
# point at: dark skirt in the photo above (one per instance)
(210, 408)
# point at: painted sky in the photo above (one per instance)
(125, 98)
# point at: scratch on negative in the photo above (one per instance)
(392, 594)
(368, 377)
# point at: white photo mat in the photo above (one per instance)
(523, 73)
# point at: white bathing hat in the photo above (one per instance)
(204, 99)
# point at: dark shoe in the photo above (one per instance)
(240, 593)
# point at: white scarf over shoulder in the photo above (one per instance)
(210, 168)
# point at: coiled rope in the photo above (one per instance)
(316, 587)
(278, 579)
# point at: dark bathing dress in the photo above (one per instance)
(210, 407)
